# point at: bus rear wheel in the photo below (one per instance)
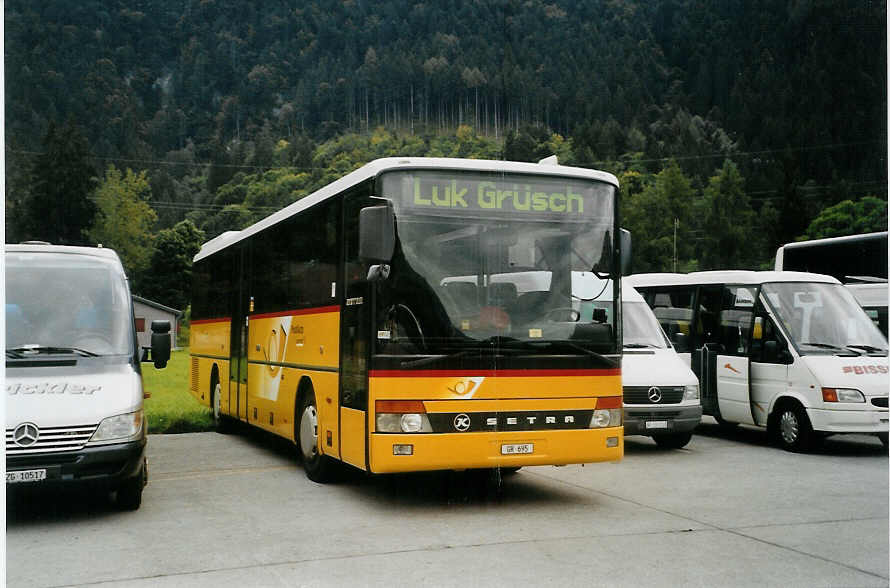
(221, 422)
(319, 468)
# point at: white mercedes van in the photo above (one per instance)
(74, 396)
(661, 396)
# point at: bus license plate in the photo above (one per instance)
(656, 424)
(514, 448)
(25, 476)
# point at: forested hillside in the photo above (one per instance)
(742, 120)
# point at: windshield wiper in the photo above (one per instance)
(50, 350)
(638, 345)
(570, 345)
(830, 346)
(434, 358)
(868, 348)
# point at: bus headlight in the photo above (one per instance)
(606, 417)
(122, 427)
(842, 395)
(691, 392)
(401, 416)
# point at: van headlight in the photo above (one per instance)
(123, 427)
(691, 392)
(842, 395)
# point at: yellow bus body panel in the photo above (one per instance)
(282, 350)
(209, 346)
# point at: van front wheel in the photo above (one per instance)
(792, 429)
(129, 493)
(672, 440)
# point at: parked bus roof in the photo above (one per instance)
(726, 277)
(378, 166)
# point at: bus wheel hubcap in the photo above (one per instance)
(309, 432)
(790, 427)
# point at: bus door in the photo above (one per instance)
(724, 324)
(355, 342)
(238, 364)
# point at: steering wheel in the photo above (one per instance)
(553, 315)
(394, 310)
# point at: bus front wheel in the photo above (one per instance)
(319, 467)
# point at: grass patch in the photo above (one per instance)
(172, 408)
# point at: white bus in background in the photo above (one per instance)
(790, 351)
(858, 261)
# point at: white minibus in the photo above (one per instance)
(74, 413)
(661, 397)
(793, 352)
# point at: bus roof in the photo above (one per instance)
(725, 277)
(378, 166)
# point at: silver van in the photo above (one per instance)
(74, 412)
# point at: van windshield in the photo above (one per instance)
(640, 327)
(66, 303)
(824, 319)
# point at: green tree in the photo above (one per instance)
(58, 208)
(124, 219)
(660, 219)
(729, 239)
(847, 217)
(168, 277)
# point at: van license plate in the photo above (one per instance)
(25, 476)
(514, 448)
(656, 424)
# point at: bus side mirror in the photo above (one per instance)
(376, 233)
(160, 343)
(625, 247)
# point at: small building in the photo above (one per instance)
(145, 311)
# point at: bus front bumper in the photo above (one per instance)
(458, 451)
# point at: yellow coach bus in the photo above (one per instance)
(417, 314)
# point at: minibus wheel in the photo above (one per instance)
(319, 468)
(792, 429)
(672, 440)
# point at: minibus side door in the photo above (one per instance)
(725, 317)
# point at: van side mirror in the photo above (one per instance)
(773, 352)
(376, 233)
(624, 244)
(160, 343)
(681, 342)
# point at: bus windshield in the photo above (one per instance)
(65, 304)
(824, 319)
(498, 269)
